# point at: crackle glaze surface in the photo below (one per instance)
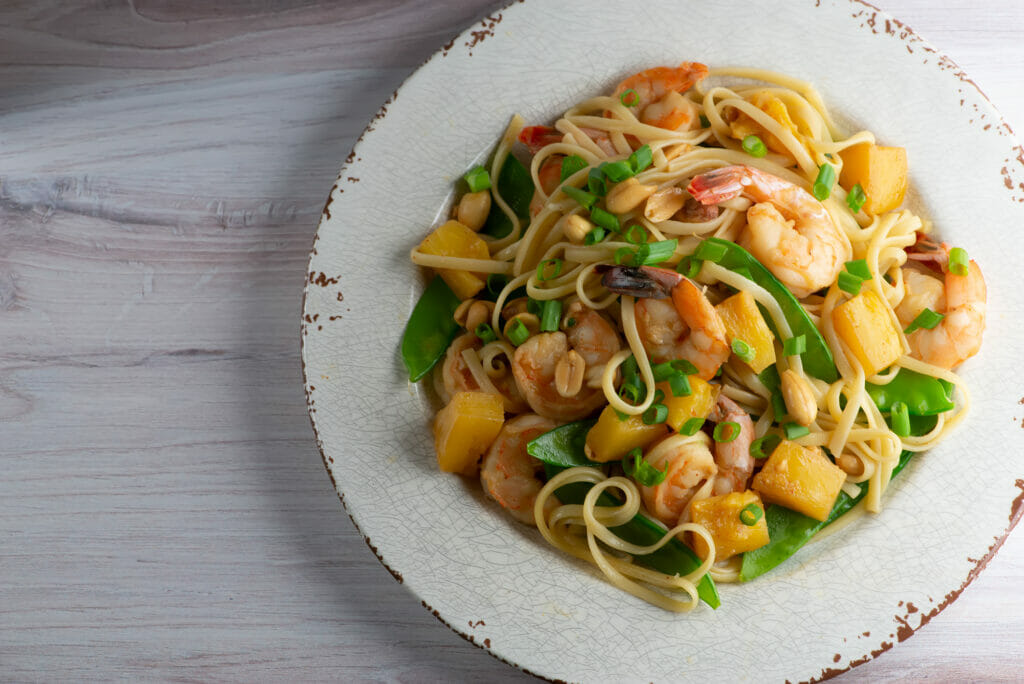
(839, 601)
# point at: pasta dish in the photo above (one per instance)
(689, 326)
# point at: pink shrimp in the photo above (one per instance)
(690, 464)
(735, 464)
(508, 473)
(688, 328)
(659, 97)
(788, 230)
(458, 378)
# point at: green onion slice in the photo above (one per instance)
(958, 261)
(640, 470)
(705, 122)
(652, 253)
(753, 146)
(636, 235)
(726, 431)
(680, 385)
(856, 198)
(691, 426)
(534, 306)
(572, 164)
(762, 447)
(663, 371)
(605, 219)
(543, 272)
(900, 416)
(518, 332)
(795, 346)
(689, 267)
(927, 319)
(617, 171)
(496, 282)
(657, 413)
(795, 430)
(623, 255)
(594, 236)
(743, 350)
(596, 183)
(641, 158)
(582, 197)
(849, 283)
(478, 179)
(822, 187)
(550, 314)
(751, 514)
(629, 98)
(485, 332)
(778, 405)
(859, 268)
(710, 251)
(684, 366)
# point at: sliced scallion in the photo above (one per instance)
(856, 198)
(617, 171)
(822, 187)
(795, 430)
(485, 332)
(549, 269)
(606, 220)
(584, 198)
(795, 346)
(691, 426)
(550, 314)
(726, 431)
(859, 268)
(517, 332)
(849, 283)
(751, 514)
(641, 158)
(743, 351)
(478, 179)
(572, 164)
(754, 146)
(710, 251)
(927, 319)
(958, 261)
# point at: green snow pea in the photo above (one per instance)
(516, 187)
(923, 394)
(430, 329)
(563, 447)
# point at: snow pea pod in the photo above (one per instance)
(924, 395)
(430, 329)
(790, 530)
(562, 448)
(817, 359)
(516, 187)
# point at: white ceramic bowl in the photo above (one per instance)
(838, 602)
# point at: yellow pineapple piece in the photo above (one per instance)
(881, 172)
(721, 516)
(610, 439)
(743, 321)
(697, 404)
(465, 428)
(866, 327)
(801, 479)
(456, 240)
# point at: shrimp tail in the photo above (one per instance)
(716, 186)
(644, 282)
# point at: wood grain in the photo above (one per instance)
(163, 511)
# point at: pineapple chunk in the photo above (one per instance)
(456, 240)
(743, 321)
(801, 479)
(721, 516)
(610, 439)
(881, 172)
(465, 428)
(697, 404)
(866, 327)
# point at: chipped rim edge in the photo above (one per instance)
(904, 631)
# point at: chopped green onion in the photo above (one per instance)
(659, 397)
(604, 219)
(640, 470)
(927, 319)
(571, 165)
(958, 261)
(617, 171)
(622, 255)
(762, 447)
(630, 393)
(689, 267)
(849, 283)
(622, 416)
(822, 187)
(641, 158)
(663, 371)
(778, 405)
(550, 315)
(900, 416)
(743, 350)
(705, 122)
(517, 332)
(584, 198)
(534, 306)
(630, 98)
(751, 514)
(630, 369)
(795, 430)
(726, 431)
(485, 332)
(753, 146)
(478, 179)
(652, 253)
(859, 268)
(856, 198)
(691, 426)
(542, 269)
(594, 236)
(794, 346)
(684, 366)
(710, 251)
(570, 322)
(496, 282)
(680, 385)
(636, 235)
(657, 413)
(595, 182)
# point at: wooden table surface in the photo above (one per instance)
(164, 513)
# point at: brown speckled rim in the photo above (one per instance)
(874, 20)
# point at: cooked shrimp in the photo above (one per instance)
(538, 137)
(689, 465)
(457, 376)
(550, 175)
(688, 328)
(535, 365)
(659, 95)
(735, 464)
(788, 230)
(961, 298)
(508, 473)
